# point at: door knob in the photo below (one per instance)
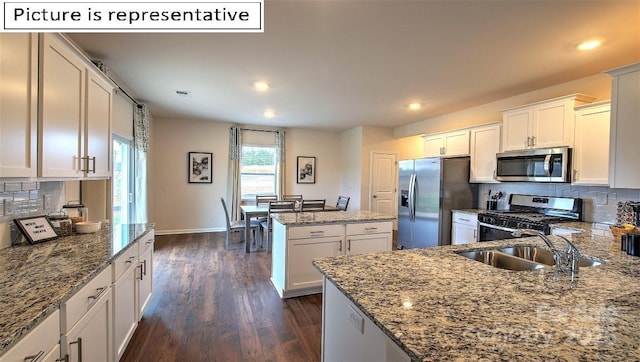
(375, 196)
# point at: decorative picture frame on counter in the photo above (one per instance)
(199, 167)
(36, 229)
(306, 173)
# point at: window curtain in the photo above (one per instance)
(141, 119)
(234, 196)
(280, 164)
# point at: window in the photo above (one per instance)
(257, 171)
(122, 180)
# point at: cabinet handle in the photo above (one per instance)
(144, 263)
(141, 272)
(34, 358)
(575, 175)
(99, 292)
(475, 234)
(533, 140)
(464, 219)
(63, 359)
(369, 229)
(131, 259)
(349, 244)
(340, 245)
(79, 343)
(528, 143)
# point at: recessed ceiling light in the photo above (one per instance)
(269, 113)
(261, 86)
(589, 44)
(415, 106)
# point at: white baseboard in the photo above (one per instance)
(189, 231)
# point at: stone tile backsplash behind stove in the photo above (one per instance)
(599, 202)
(27, 199)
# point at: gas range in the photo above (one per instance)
(528, 212)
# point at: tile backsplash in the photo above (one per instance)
(599, 202)
(23, 199)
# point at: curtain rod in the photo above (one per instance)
(261, 130)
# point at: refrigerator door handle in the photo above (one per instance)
(409, 197)
(412, 198)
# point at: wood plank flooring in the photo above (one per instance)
(214, 304)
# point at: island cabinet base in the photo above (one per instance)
(349, 335)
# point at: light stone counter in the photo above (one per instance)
(329, 217)
(36, 279)
(440, 306)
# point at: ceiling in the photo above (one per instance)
(335, 65)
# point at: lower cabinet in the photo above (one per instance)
(349, 335)
(144, 281)
(295, 247)
(89, 338)
(464, 228)
(40, 344)
(125, 318)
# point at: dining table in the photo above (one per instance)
(251, 211)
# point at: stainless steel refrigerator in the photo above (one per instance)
(429, 189)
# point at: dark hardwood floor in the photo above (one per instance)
(214, 304)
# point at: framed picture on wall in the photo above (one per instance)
(306, 170)
(199, 167)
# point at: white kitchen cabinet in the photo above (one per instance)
(447, 144)
(591, 149)
(368, 237)
(97, 135)
(125, 318)
(464, 228)
(19, 103)
(75, 117)
(349, 335)
(86, 321)
(539, 125)
(624, 168)
(40, 344)
(145, 272)
(484, 144)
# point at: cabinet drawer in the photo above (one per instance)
(42, 339)
(464, 218)
(369, 228)
(74, 308)
(146, 241)
(124, 262)
(318, 231)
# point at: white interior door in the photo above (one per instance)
(384, 182)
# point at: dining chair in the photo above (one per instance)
(265, 199)
(343, 202)
(274, 207)
(313, 205)
(237, 225)
(292, 198)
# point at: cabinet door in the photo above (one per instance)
(552, 124)
(301, 252)
(463, 233)
(97, 147)
(91, 337)
(360, 244)
(591, 151)
(456, 143)
(515, 129)
(62, 114)
(485, 143)
(18, 102)
(124, 311)
(145, 280)
(433, 146)
(40, 340)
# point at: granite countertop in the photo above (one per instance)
(437, 305)
(36, 279)
(329, 217)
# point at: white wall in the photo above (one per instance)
(351, 160)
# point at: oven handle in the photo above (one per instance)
(480, 224)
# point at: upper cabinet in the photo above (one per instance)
(543, 124)
(75, 114)
(624, 168)
(591, 151)
(18, 102)
(447, 144)
(485, 143)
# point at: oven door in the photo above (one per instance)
(488, 232)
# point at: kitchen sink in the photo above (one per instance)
(501, 260)
(543, 256)
(520, 258)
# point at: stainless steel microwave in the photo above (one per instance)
(535, 165)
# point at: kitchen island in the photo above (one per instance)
(300, 237)
(433, 304)
(37, 280)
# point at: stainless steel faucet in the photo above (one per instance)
(565, 261)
